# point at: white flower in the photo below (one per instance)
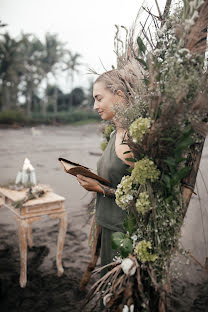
(128, 267)
(125, 309)
(131, 308)
(134, 237)
(107, 298)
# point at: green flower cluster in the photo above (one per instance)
(125, 192)
(143, 203)
(103, 145)
(142, 251)
(144, 170)
(107, 134)
(138, 128)
(108, 130)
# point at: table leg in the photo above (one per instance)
(1, 201)
(60, 244)
(23, 226)
(29, 235)
(61, 237)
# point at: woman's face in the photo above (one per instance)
(104, 101)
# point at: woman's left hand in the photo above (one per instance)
(89, 184)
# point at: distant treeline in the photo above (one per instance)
(29, 69)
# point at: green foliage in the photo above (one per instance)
(142, 47)
(122, 242)
(65, 117)
(107, 134)
(130, 224)
(12, 116)
(18, 117)
(177, 171)
(26, 62)
(103, 145)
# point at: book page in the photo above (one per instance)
(66, 165)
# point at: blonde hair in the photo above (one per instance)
(125, 79)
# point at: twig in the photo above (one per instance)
(145, 35)
(150, 13)
(190, 255)
(158, 8)
(140, 287)
(150, 36)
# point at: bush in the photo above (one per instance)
(65, 117)
(12, 116)
(18, 117)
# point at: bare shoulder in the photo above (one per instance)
(121, 150)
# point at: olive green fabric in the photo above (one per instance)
(108, 214)
(112, 168)
(107, 253)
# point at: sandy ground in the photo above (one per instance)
(45, 291)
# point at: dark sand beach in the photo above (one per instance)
(45, 291)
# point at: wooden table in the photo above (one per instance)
(49, 204)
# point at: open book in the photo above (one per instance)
(75, 169)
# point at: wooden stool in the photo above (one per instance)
(49, 204)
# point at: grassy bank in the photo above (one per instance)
(13, 117)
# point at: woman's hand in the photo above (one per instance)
(89, 184)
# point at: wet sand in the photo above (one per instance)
(45, 291)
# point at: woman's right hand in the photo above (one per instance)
(89, 184)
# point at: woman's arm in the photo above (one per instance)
(108, 191)
(93, 185)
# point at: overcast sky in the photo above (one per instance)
(87, 26)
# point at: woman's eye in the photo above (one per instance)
(99, 99)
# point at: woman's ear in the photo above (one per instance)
(120, 93)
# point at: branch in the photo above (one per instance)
(166, 11)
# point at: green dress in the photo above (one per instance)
(108, 214)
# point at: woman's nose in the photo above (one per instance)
(95, 106)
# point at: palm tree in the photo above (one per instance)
(31, 50)
(71, 63)
(11, 69)
(52, 57)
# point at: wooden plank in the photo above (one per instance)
(12, 194)
(48, 197)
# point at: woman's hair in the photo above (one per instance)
(125, 79)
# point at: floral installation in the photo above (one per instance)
(166, 122)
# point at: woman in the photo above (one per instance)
(109, 90)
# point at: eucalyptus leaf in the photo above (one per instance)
(170, 161)
(183, 145)
(182, 173)
(141, 61)
(117, 239)
(142, 47)
(127, 152)
(129, 224)
(126, 247)
(166, 179)
(131, 159)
